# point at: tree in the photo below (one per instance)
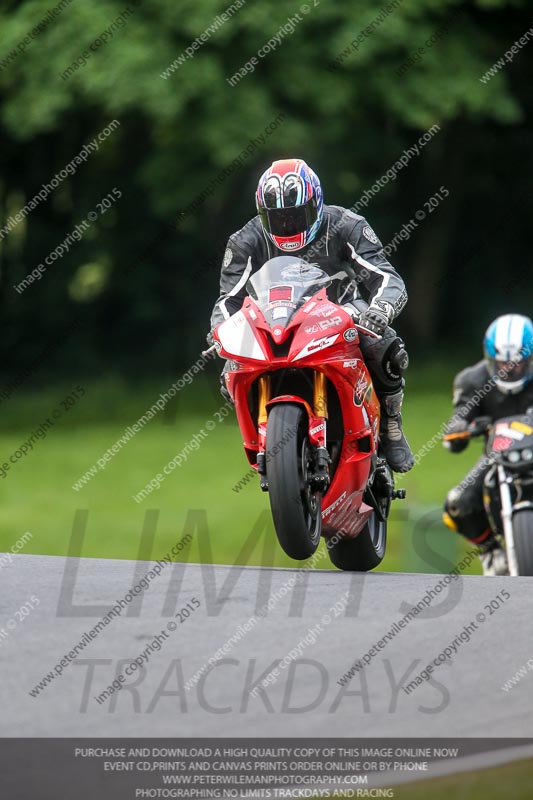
(356, 91)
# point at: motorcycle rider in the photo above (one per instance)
(498, 386)
(292, 218)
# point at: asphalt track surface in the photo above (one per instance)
(463, 699)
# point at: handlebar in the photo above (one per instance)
(479, 426)
(362, 329)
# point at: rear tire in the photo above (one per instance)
(367, 550)
(296, 511)
(523, 540)
(363, 553)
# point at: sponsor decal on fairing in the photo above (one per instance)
(316, 344)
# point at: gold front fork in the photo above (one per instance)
(264, 397)
(320, 395)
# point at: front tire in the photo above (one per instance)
(523, 540)
(296, 509)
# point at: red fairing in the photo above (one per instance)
(320, 336)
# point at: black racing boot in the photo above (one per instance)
(393, 443)
(223, 387)
(493, 558)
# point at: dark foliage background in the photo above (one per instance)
(140, 285)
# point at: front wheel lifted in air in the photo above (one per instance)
(296, 504)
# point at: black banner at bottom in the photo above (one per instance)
(127, 769)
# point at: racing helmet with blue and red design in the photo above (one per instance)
(290, 203)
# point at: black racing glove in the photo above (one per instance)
(377, 316)
(456, 434)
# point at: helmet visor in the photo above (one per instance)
(512, 370)
(289, 221)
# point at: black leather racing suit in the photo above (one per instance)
(344, 242)
(476, 395)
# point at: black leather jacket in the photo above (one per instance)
(344, 242)
(475, 395)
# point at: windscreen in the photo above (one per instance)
(283, 284)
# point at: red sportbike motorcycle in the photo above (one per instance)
(308, 414)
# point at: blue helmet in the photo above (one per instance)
(508, 348)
